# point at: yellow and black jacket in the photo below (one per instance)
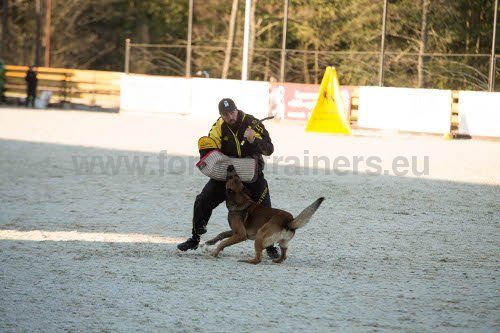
(229, 141)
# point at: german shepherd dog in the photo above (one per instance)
(249, 220)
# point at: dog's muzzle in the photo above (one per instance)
(231, 172)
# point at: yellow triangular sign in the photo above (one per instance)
(328, 115)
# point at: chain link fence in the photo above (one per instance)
(440, 71)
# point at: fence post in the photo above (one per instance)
(127, 55)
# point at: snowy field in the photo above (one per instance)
(87, 237)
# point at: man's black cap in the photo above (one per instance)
(226, 105)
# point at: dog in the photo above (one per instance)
(249, 220)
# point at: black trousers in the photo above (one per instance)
(30, 96)
(214, 193)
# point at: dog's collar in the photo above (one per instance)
(240, 209)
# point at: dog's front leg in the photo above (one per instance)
(228, 242)
(239, 232)
(258, 252)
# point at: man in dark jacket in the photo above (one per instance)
(228, 132)
(31, 83)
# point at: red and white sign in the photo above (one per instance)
(295, 101)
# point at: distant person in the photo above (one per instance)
(203, 73)
(277, 101)
(2, 81)
(31, 83)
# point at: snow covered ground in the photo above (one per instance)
(87, 237)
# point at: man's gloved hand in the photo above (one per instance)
(249, 135)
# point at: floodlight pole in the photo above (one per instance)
(246, 40)
(382, 47)
(283, 43)
(189, 39)
(492, 58)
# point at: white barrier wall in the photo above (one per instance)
(479, 113)
(249, 96)
(143, 93)
(405, 109)
(196, 96)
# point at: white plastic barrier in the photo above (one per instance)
(142, 93)
(249, 96)
(479, 113)
(405, 109)
(199, 97)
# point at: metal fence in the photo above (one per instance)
(441, 71)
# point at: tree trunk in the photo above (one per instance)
(423, 43)
(5, 27)
(305, 68)
(468, 27)
(143, 32)
(230, 39)
(316, 63)
(38, 33)
(481, 22)
(267, 69)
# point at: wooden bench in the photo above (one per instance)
(68, 86)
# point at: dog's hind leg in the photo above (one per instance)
(266, 236)
(283, 248)
(219, 237)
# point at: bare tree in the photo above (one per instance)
(5, 24)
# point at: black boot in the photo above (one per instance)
(190, 244)
(272, 252)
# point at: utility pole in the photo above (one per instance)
(246, 40)
(48, 19)
(283, 42)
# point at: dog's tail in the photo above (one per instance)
(304, 216)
